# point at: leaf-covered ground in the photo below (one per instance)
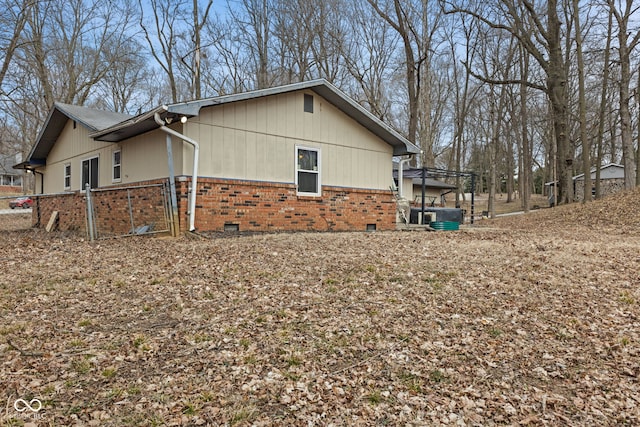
(530, 320)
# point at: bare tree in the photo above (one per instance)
(231, 69)
(163, 40)
(295, 39)
(248, 33)
(175, 42)
(125, 87)
(603, 102)
(401, 16)
(582, 106)
(626, 45)
(464, 92)
(526, 153)
(68, 46)
(538, 29)
(12, 22)
(198, 24)
(369, 55)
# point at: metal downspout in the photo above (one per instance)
(194, 177)
(401, 175)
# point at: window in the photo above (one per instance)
(308, 171)
(308, 103)
(116, 166)
(67, 176)
(90, 173)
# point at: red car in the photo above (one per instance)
(21, 202)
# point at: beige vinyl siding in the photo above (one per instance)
(73, 146)
(144, 157)
(407, 189)
(256, 140)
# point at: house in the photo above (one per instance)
(611, 180)
(298, 157)
(10, 179)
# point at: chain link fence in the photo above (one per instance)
(126, 211)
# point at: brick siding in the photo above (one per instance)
(111, 209)
(11, 189)
(249, 205)
(112, 214)
(264, 206)
(71, 209)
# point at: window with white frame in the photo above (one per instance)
(117, 166)
(67, 176)
(308, 171)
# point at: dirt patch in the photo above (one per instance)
(533, 321)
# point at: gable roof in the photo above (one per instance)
(59, 114)
(612, 170)
(146, 122)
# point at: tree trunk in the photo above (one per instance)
(603, 104)
(628, 152)
(582, 107)
(557, 92)
(638, 140)
(197, 89)
(524, 180)
(625, 48)
(18, 25)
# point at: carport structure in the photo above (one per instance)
(435, 173)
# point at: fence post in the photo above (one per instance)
(133, 227)
(90, 219)
(175, 221)
(37, 212)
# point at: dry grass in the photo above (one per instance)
(538, 201)
(17, 220)
(529, 321)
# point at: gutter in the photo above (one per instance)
(194, 178)
(125, 124)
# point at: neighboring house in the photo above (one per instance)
(611, 181)
(298, 157)
(10, 179)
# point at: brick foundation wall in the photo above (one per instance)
(111, 208)
(250, 205)
(264, 206)
(112, 214)
(71, 209)
(10, 189)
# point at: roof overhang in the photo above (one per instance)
(137, 125)
(57, 119)
(28, 166)
(433, 183)
(52, 128)
(173, 112)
